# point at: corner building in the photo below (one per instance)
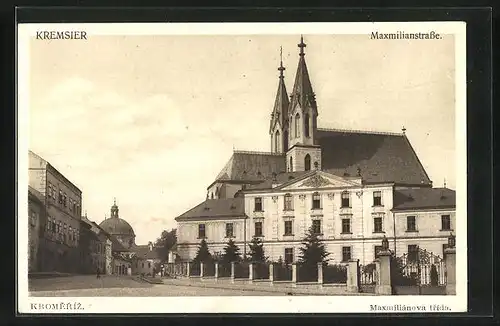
(353, 187)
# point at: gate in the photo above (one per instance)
(367, 276)
(420, 269)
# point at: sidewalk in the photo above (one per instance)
(262, 286)
(34, 275)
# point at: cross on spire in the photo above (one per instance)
(301, 45)
(444, 184)
(114, 201)
(281, 68)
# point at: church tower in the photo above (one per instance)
(278, 129)
(303, 154)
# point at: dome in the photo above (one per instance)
(117, 226)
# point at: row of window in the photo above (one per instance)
(316, 226)
(62, 231)
(137, 264)
(98, 247)
(63, 200)
(345, 201)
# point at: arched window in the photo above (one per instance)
(306, 123)
(277, 142)
(285, 141)
(297, 125)
(307, 163)
(291, 164)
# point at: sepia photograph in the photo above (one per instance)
(281, 167)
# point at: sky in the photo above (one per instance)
(151, 120)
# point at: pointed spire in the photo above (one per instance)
(301, 45)
(302, 93)
(280, 110)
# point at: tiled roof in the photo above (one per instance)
(216, 208)
(116, 246)
(380, 157)
(143, 252)
(424, 198)
(252, 166)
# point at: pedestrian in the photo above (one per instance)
(98, 273)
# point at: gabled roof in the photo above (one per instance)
(252, 166)
(280, 179)
(380, 157)
(143, 252)
(216, 208)
(424, 198)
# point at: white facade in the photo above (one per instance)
(360, 226)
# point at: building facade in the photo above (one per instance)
(36, 217)
(350, 187)
(59, 247)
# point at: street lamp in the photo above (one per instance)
(451, 240)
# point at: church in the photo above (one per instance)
(349, 187)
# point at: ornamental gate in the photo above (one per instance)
(419, 268)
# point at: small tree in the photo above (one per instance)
(313, 250)
(257, 250)
(203, 255)
(231, 252)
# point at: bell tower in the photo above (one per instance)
(278, 129)
(302, 154)
(114, 209)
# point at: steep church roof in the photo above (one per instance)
(302, 92)
(378, 157)
(252, 166)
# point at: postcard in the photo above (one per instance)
(242, 168)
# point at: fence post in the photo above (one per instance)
(232, 271)
(384, 286)
(450, 261)
(251, 270)
(216, 270)
(271, 273)
(320, 273)
(294, 273)
(188, 269)
(202, 267)
(352, 275)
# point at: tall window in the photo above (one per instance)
(307, 163)
(412, 252)
(346, 225)
(297, 125)
(445, 223)
(258, 204)
(306, 124)
(411, 223)
(288, 202)
(291, 164)
(277, 142)
(229, 230)
(288, 227)
(346, 254)
(258, 229)
(377, 224)
(288, 255)
(65, 200)
(377, 198)
(201, 231)
(316, 203)
(346, 199)
(316, 226)
(60, 197)
(377, 250)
